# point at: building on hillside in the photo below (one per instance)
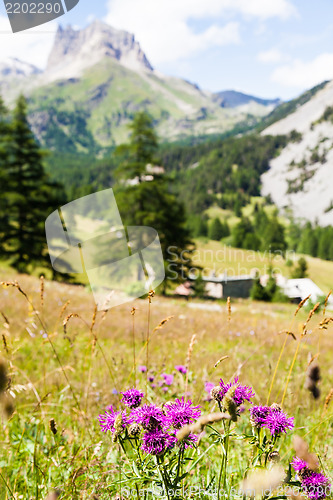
(299, 289)
(219, 287)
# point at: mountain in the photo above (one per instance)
(234, 99)
(16, 76)
(98, 77)
(14, 68)
(300, 178)
(74, 50)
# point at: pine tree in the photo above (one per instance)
(28, 194)
(144, 197)
(274, 237)
(300, 270)
(216, 230)
(4, 209)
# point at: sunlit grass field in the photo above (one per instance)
(66, 362)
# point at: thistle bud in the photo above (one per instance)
(216, 393)
(230, 404)
(274, 456)
(134, 430)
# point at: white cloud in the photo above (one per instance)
(305, 74)
(265, 9)
(32, 46)
(162, 26)
(270, 56)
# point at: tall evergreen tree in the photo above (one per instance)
(144, 197)
(28, 194)
(4, 153)
(216, 230)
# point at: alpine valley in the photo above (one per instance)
(98, 77)
(218, 144)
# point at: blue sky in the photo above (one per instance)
(269, 48)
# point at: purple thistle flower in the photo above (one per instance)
(242, 392)
(168, 379)
(157, 442)
(189, 441)
(315, 484)
(142, 368)
(132, 398)
(272, 418)
(181, 413)
(150, 417)
(278, 422)
(208, 387)
(151, 378)
(107, 420)
(258, 415)
(298, 464)
(181, 368)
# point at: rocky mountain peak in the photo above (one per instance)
(75, 50)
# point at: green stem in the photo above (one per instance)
(224, 461)
(7, 485)
(226, 447)
(164, 480)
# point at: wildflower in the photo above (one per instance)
(142, 368)
(314, 484)
(208, 387)
(132, 398)
(278, 422)
(299, 464)
(258, 415)
(149, 416)
(271, 417)
(151, 378)
(168, 379)
(108, 419)
(181, 369)
(181, 413)
(188, 442)
(242, 392)
(157, 442)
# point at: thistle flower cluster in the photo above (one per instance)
(315, 484)
(272, 418)
(157, 425)
(232, 395)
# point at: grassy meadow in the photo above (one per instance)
(66, 363)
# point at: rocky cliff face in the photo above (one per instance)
(76, 50)
(301, 177)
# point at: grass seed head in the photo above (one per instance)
(4, 379)
(53, 426)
